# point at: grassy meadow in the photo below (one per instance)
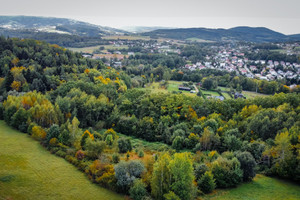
(93, 48)
(28, 171)
(125, 37)
(261, 188)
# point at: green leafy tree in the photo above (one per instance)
(161, 177)
(207, 183)
(247, 165)
(138, 190)
(171, 196)
(182, 175)
(124, 145)
(53, 132)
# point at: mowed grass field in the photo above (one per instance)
(93, 48)
(261, 188)
(28, 171)
(126, 37)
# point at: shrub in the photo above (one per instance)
(207, 183)
(227, 173)
(138, 190)
(94, 148)
(38, 133)
(80, 155)
(141, 153)
(53, 132)
(61, 153)
(178, 143)
(115, 158)
(124, 145)
(247, 165)
(171, 196)
(200, 170)
(53, 142)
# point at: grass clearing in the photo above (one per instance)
(28, 171)
(93, 48)
(247, 94)
(261, 188)
(126, 37)
(209, 92)
(173, 86)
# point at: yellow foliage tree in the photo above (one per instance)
(38, 133)
(16, 85)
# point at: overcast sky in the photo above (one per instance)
(280, 15)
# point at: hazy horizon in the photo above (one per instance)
(278, 15)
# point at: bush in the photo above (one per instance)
(247, 165)
(124, 145)
(178, 143)
(171, 196)
(115, 158)
(200, 170)
(94, 148)
(138, 190)
(207, 183)
(52, 133)
(61, 153)
(80, 155)
(141, 153)
(38, 133)
(227, 173)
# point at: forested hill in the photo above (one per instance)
(76, 108)
(250, 34)
(51, 24)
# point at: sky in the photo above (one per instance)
(279, 15)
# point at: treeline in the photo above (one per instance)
(64, 40)
(266, 55)
(80, 117)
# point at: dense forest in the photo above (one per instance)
(87, 113)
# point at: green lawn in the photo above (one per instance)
(173, 86)
(212, 93)
(261, 188)
(91, 49)
(226, 95)
(28, 171)
(247, 94)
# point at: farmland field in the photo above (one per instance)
(91, 49)
(126, 37)
(28, 171)
(261, 188)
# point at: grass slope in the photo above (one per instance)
(261, 188)
(28, 171)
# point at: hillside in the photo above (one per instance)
(28, 171)
(57, 25)
(249, 34)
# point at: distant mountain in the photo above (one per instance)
(143, 29)
(243, 33)
(56, 25)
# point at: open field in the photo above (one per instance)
(198, 40)
(247, 94)
(173, 86)
(91, 49)
(208, 92)
(226, 95)
(28, 171)
(125, 37)
(261, 188)
(85, 49)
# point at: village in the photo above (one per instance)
(225, 57)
